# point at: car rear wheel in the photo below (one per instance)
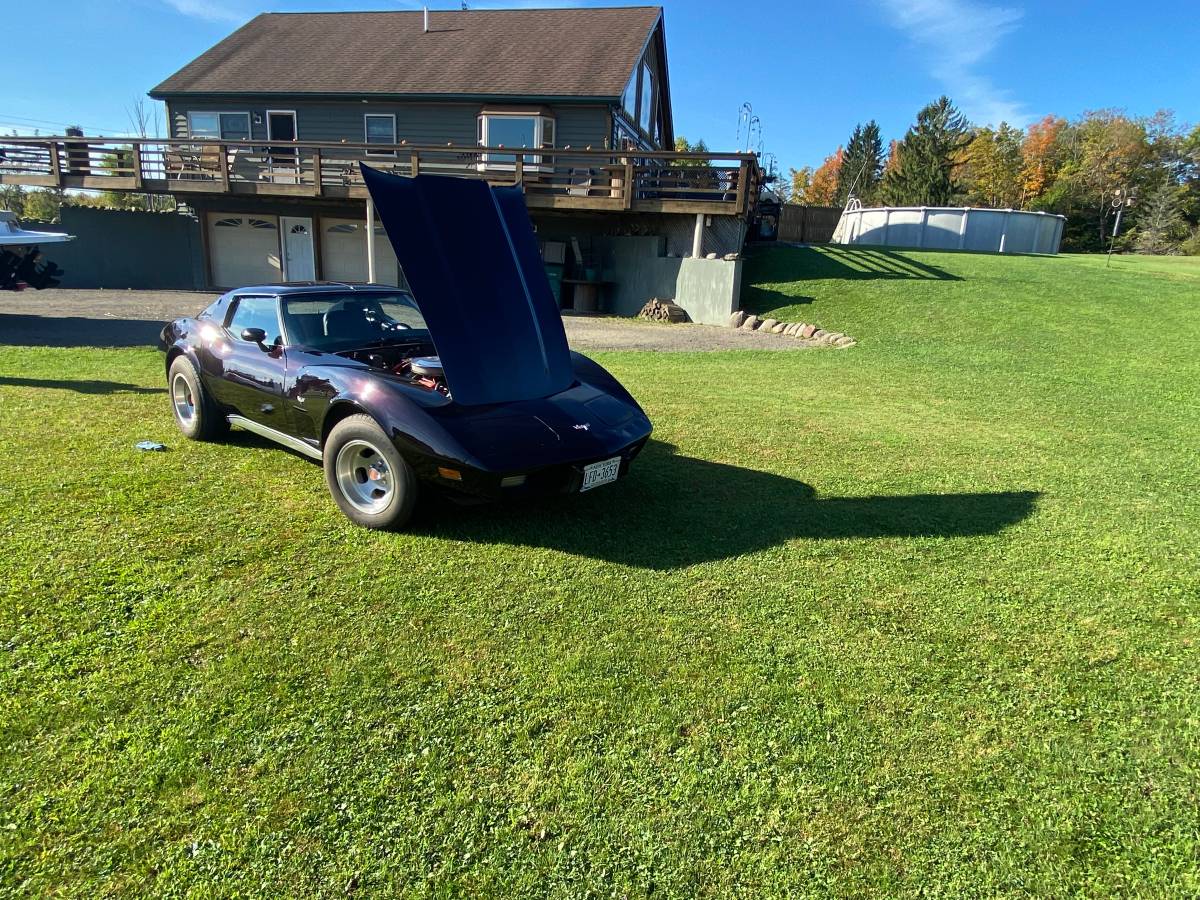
(195, 413)
(368, 478)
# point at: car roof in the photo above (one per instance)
(316, 287)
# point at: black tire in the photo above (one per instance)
(370, 481)
(205, 422)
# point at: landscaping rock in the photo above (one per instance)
(832, 336)
(778, 327)
(710, 256)
(806, 331)
(794, 329)
(768, 324)
(845, 341)
(736, 320)
(818, 334)
(751, 323)
(730, 257)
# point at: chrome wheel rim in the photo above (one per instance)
(363, 476)
(184, 402)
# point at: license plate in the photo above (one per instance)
(600, 473)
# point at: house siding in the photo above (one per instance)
(431, 123)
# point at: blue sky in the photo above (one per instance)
(810, 70)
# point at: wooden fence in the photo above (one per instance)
(808, 224)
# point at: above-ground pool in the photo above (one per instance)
(952, 228)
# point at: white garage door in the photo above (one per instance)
(244, 249)
(344, 252)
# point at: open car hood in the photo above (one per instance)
(470, 256)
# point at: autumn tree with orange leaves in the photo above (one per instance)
(1042, 154)
(822, 191)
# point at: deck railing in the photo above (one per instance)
(713, 183)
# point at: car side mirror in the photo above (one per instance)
(255, 336)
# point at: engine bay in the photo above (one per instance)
(416, 364)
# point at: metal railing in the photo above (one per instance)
(717, 183)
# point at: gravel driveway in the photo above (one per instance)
(78, 318)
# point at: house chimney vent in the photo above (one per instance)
(426, 8)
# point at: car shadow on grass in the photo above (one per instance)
(81, 386)
(675, 511)
(76, 331)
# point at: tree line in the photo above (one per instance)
(1083, 168)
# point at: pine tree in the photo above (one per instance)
(863, 164)
(928, 154)
(1161, 225)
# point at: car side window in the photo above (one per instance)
(256, 312)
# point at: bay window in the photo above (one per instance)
(514, 130)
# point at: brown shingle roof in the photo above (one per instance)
(582, 52)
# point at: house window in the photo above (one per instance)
(512, 130)
(221, 126)
(629, 98)
(646, 110)
(379, 128)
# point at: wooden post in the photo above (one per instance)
(370, 240)
(628, 186)
(223, 160)
(743, 174)
(519, 171)
(415, 163)
(55, 164)
(318, 185)
(137, 166)
(698, 237)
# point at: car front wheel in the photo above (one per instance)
(195, 413)
(368, 478)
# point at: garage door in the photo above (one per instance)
(344, 252)
(244, 249)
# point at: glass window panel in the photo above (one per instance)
(381, 130)
(510, 131)
(547, 132)
(256, 312)
(629, 98)
(647, 98)
(235, 126)
(204, 125)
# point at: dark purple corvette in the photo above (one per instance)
(473, 391)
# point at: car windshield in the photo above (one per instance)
(342, 321)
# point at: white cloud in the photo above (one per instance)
(954, 37)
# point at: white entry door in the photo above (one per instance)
(298, 260)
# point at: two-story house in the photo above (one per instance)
(372, 85)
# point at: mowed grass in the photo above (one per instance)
(917, 617)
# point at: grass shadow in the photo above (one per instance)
(76, 331)
(675, 511)
(785, 265)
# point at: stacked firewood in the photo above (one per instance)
(664, 311)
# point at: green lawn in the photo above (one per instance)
(917, 617)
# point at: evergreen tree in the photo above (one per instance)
(928, 154)
(1160, 225)
(862, 166)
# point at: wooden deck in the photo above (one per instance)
(658, 182)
